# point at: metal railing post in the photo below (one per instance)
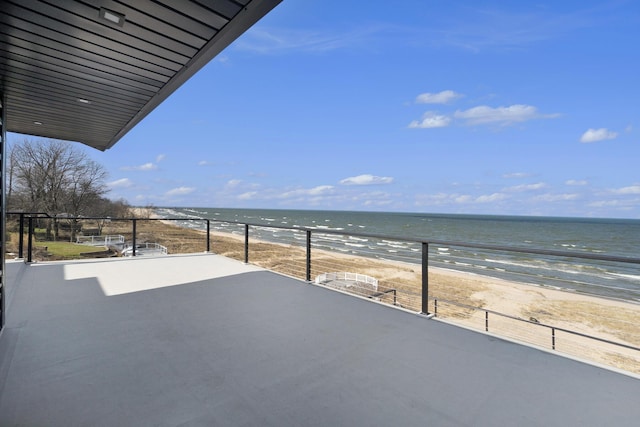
(208, 236)
(553, 338)
(308, 256)
(425, 278)
(133, 238)
(21, 237)
(246, 243)
(486, 321)
(30, 241)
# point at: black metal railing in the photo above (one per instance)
(534, 322)
(30, 217)
(311, 235)
(310, 232)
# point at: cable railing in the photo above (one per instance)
(107, 240)
(407, 273)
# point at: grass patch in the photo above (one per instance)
(67, 249)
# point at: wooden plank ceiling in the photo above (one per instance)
(90, 70)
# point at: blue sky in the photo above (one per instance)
(478, 107)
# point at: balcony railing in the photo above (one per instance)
(407, 267)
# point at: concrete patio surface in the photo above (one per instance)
(202, 340)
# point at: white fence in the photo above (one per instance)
(345, 279)
(146, 249)
(100, 240)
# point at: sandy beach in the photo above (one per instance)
(541, 308)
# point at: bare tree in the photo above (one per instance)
(106, 210)
(55, 177)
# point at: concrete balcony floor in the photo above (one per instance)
(202, 340)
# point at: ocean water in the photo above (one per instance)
(611, 237)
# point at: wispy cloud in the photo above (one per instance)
(446, 199)
(233, 183)
(315, 191)
(632, 189)
(490, 198)
(485, 28)
(367, 179)
(430, 120)
(526, 187)
(577, 182)
(180, 191)
(284, 40)
(516, 175)
(160, 157)
(120, 183)
(144, 168)
(595, 135)
(555, 197)
(503, 116)
(475, 30)
(444, 97)
(249, 195)
(475, 116)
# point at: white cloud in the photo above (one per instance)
(555, 197)
(501, 115)
(180, 191)
(233, 183)
(576, 182)
(367, 179)
(526, 187)
(516, 175)
(595, 135)
(248, 195)
(203, 163)
(431, 120)
(632, 189)
(443, 97)
(319, 190)
(490, 198)
(145, 167)
(623, 205)
(443, 199)
(315, 191)
(463, 198)
(377, 203)
(160, 158)
(120, 183)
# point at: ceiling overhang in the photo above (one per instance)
(90, 70)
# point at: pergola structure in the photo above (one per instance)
(90, 70)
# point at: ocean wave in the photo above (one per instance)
(357, 245)
(632, 277)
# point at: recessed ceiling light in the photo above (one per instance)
(111, 16)
(84, 101)
(37, 123)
